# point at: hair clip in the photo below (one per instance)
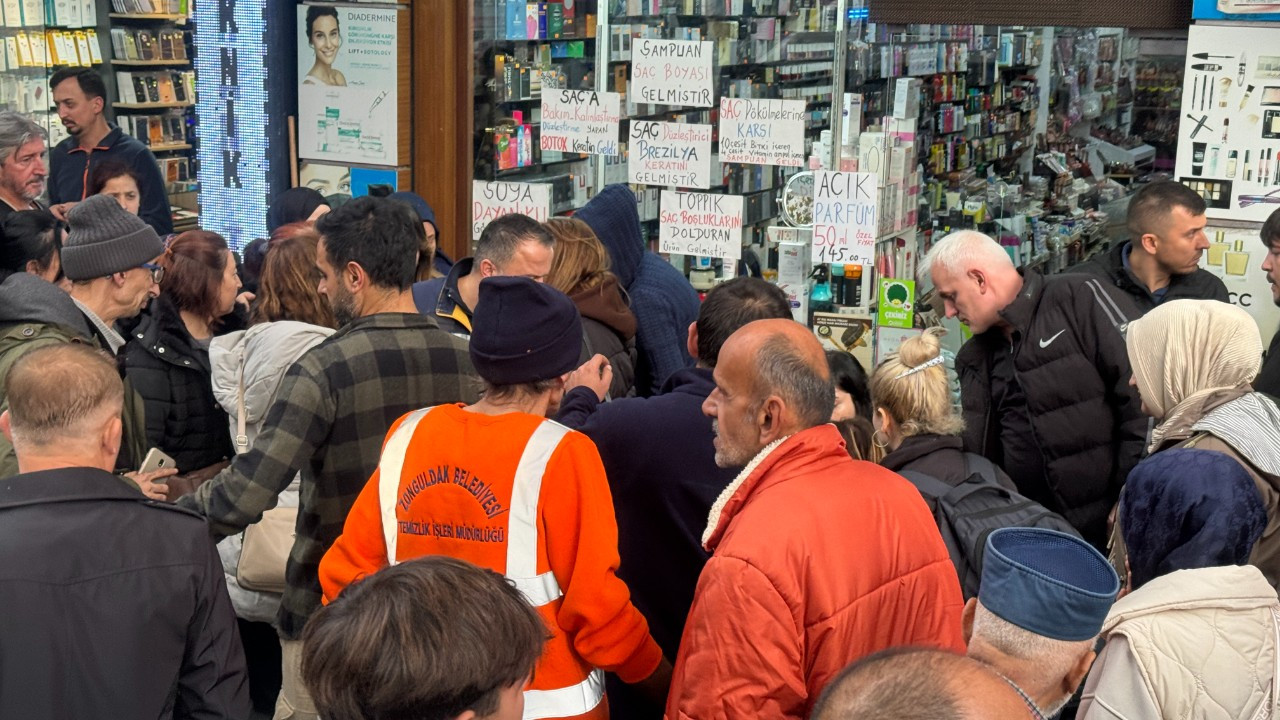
(935, 361)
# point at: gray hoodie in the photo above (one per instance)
(27, 298)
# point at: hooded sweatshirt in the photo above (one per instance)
(663, 301)
(609, 329)
(35, 314)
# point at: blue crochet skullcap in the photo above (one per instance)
(1047, 582)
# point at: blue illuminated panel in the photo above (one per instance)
(231, 106)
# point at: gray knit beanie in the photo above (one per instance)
(105, 238)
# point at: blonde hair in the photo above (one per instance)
(919, 402)
(580, 261)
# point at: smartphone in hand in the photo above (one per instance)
(156, 460)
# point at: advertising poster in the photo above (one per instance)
(347, 75)
(1235, 10)
(1229, 132)
(1236, 255)
(896, 303)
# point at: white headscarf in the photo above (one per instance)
(1184, 350)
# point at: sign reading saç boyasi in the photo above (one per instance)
(672, 72)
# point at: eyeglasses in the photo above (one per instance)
(157, 271)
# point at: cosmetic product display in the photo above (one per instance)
(1231, 164)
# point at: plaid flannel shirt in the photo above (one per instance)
(329, 419)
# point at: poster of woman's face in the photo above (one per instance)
(324, 35)
(347, 72)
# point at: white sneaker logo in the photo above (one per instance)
(1046, 343)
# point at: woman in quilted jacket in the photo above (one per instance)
(167, 356)
(289, 318)
(1196, 637)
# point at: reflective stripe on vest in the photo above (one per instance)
(522, 547)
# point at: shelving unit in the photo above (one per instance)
(517, 57)
(771, 49)
(156, 48)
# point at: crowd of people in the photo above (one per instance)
(344, 476)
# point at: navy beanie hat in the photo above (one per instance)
(419, 205)
(293, 205)
(523, 332)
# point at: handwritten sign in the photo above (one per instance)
(676, 154)
(580, 121)
(672, 72)
(700, 224)
(490, 200)
(762, 132)
(845, 212)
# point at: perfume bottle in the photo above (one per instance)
(1218, 249)
(1238, 261)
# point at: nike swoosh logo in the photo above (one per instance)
(1046, 343)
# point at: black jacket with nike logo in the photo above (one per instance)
(1070, 361)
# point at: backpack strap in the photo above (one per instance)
(975, 464)
(927, 484)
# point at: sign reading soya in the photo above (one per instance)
(672, 72)
(700, 224)
(580, 121)
(490, 200)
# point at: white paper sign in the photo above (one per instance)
(845, 217)
(675, 154)
(700, 224)
(762, 132)
(580, 121)
(490, 200)
(672, 72)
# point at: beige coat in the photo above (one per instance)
(1191, 644)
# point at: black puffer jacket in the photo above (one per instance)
(1070, 359)
(1109, 267)
(171, 373)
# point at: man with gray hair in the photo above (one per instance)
(1044, 597)
(817, 559)
(1045, 379)
(23, 163)
(514, 245)
(114, 606)
(110, 258)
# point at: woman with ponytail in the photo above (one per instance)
(916, 424)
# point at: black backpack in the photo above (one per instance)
(967, 513)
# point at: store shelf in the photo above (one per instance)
(169, 148)
(150, 106)
(164, 17)
(151, 63)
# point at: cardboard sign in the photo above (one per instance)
(700, 224)
(847, 333)
(580, 121)
(675, 154)
(762, 132)
(672, 72)
(845, 217)
(895, 303)
(491, 200)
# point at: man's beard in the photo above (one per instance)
(344, 307)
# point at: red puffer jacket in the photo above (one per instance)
(818, 560)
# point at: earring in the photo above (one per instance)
(875, 439)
